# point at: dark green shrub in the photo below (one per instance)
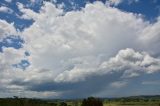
(91, 101)
(63, 104)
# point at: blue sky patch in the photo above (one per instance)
(22, 65)
(150, 9)
(11, 41)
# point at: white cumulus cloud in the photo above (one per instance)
(78, 46)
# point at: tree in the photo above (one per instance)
(91, 101)
(63, 104)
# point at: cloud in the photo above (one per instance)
(115, 2)
(132, 61)
(27, 13)
(118, 2)
(118, 84)
(8, 57)
(6, 10)
(133, 1)
(127, 61)
(9, 53)
(6, 29)
(76, 51)
(150, 37)
(9, 1)
(79, 34)
(157, 82)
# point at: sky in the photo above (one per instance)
(79, 48)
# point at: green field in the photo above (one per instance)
(133, 101)
(133, 104)
(127, 101)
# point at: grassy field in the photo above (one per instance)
(127, 101)
(132, 104)
(121, 104)
(133, 101)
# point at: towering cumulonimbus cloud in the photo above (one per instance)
(76, 51)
